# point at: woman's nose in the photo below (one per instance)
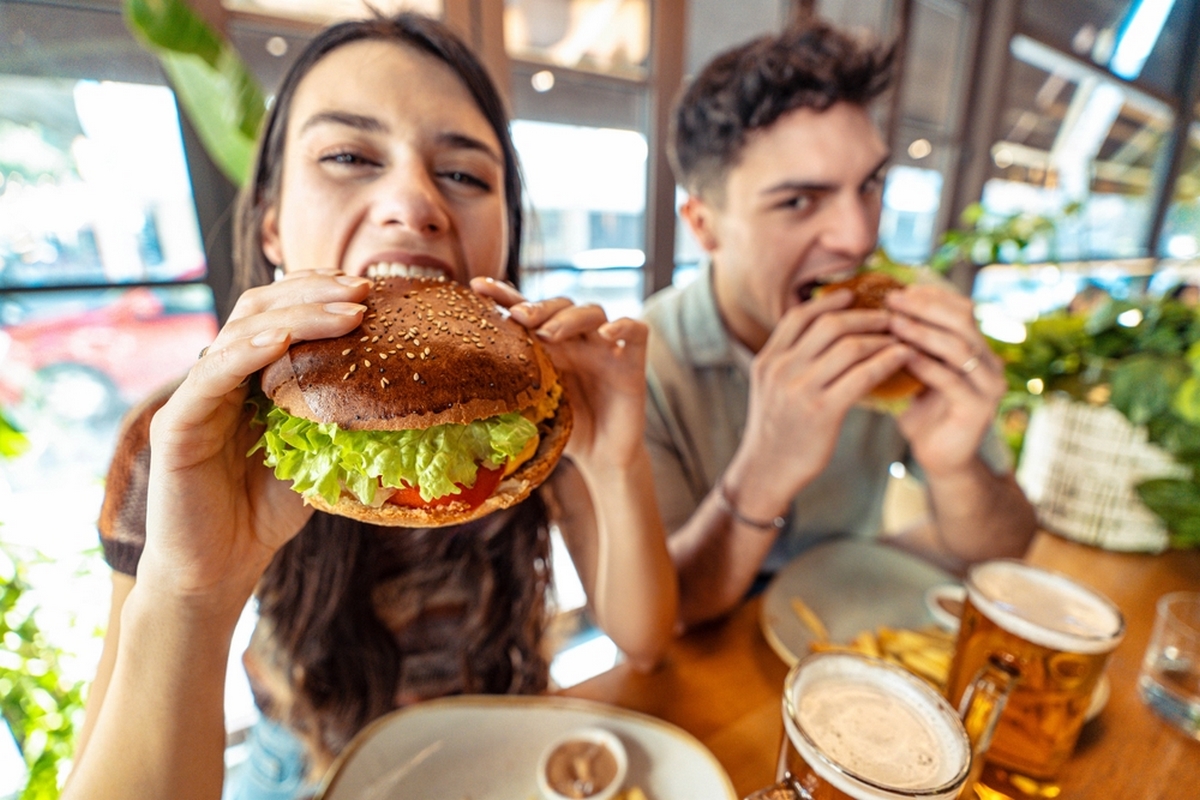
(408, 197)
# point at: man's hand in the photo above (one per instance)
(945, 425)
(820, 360)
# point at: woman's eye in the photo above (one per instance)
(345, 158)
(466, 178)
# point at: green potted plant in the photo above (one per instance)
(1141, 358)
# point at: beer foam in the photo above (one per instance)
(879, 725)
(1044, 608)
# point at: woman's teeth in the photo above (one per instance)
(397, 270)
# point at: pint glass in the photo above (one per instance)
(1057, 636)
(858, 728)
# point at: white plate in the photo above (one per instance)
(853, 585)
(487, 748)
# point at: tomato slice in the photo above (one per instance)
(486, 481)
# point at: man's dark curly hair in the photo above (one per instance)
(754, 84)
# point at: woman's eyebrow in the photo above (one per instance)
(462, 141)
(357, 121)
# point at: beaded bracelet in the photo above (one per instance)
(726, 505)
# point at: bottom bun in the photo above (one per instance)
(900, 386)
(554, 433)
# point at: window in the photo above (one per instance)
(1070, 134)
(1181, 227)
(605, 36)
(102, 292)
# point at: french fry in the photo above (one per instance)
(810, 620)
(866, 643)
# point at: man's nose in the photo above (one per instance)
(853, 226)
(409, 197)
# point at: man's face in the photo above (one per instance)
(800, 207)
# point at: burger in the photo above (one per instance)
(870, 287)
(438, 409)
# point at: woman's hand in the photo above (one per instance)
(215, 518)
(602, 365)
(945, 425)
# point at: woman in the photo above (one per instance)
(386, 143)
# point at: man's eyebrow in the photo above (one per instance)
(818, 187)
(357, 121)
(461, 141)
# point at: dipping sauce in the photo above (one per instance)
(579, 768)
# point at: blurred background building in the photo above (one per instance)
(114, 224)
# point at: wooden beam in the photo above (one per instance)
(667, 24)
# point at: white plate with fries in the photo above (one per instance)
(487, 748)
(847, 593)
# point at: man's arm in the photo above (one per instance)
(976, 515)
(978, 512)
(813, 369)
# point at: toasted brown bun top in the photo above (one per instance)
(428, 352)
(869, 288)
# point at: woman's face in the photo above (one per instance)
(388, 160)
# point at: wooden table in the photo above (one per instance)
(723, 684)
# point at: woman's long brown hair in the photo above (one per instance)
(342, 663)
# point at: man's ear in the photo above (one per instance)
(701, 219)
(272, 247)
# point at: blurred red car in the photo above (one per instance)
(86, 356)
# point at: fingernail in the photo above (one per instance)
(352, 280)
(548, 331)
(271, 337)
(489, 280)
(345, 309)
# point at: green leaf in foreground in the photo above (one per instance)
(221, 98)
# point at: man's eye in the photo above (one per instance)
(874, 183)
(801, 202)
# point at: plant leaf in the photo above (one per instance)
(221, 98)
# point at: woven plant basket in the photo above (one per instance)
(1079, 466)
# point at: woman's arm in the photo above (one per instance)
(214, 521)
(604, 491)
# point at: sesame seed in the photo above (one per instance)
(347, 375)
(416, 376)
(383, 382)
(411, 355)
(353, 367)
(383, 356)
(376, 339)
(366, 363)
(346, 352)
(365, 338)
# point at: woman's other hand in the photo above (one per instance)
(215, 518)
(602, 364)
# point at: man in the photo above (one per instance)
(755, 423)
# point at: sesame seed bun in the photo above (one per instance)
(428, 352)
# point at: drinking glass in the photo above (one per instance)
(1170, 677)
(1056, 635)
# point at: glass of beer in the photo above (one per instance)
(1056, 635)
(859, 728)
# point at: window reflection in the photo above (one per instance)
(608, 36)
(94, 188)
(1134, 39)
(1181, 227)
(323, 11)
(1070, 135)
(586, 189)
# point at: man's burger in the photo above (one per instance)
(438, 409)
(870, 287)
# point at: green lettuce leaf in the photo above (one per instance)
(321, 459)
